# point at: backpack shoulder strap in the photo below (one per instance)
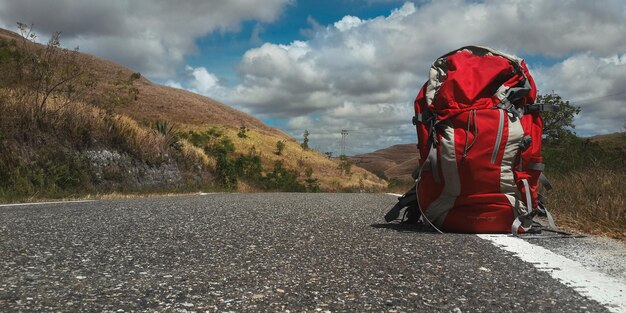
(408, 200)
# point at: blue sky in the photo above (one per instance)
(326, 65)
(222, 51)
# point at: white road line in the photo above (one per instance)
(609, 291)
(42, 203)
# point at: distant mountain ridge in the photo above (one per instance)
(395, 162)
(399, 161)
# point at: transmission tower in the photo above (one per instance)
(344, 134)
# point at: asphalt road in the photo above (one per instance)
(257, 253)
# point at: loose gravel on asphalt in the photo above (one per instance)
(257, 253)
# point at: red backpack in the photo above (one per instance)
(479, 139)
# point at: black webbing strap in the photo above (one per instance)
(408, 200)
(424, 117)
(540, 107)
(508, 106)
(545, 182)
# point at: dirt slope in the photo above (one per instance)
(157, 102)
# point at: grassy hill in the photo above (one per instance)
(615, 141)
(395, 162)
(156, 102)
(73, 124)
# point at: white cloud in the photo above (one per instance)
(173, 84)
(203, 80)
(363, 74)
(348, 22)
(149, 36)
(356, 74)
(597, 85)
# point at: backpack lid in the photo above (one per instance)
(475, 77)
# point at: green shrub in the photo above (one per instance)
(230, 169)
(311, 184)
(171, 137)
(249, 167)
(572, 153)
(242, 132)
(282, 179)
(345, 166)
(53, 173)
(226, 172)
(280, 146)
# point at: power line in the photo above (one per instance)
(344, 133)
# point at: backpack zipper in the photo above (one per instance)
(494, 154)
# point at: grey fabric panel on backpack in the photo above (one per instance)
(515, 134)
(536, 166)
(433, 164)
(438, 73)
(494, 154)
(439, 208)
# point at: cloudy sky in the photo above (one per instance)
(328, 65)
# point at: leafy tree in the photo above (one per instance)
(280, 146)
(558, 125)
(305, 142)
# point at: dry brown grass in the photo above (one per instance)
(146, 143)
(590, 201)
(157, 102)
(196, 154)
(400, 186)
(79, 126)
(294, 157)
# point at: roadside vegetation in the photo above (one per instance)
(60, 136)
(588, 174)
(254, 161)
(47, 129)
